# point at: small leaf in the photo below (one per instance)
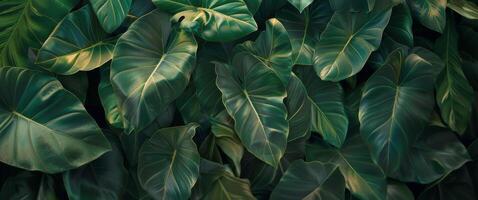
(169, 163)
(431, 13)
(298, 108)
(345, 45)
(108, 99)
(300, 4)
(398, 191)
(310, 180)
(363, 177)
(465, 8)
(111, 13)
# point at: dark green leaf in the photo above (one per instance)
(310, 180)
(300, 4)
(431, 13)
(169, 163)
(396, 104)
(44, 127)
(298, 108)
(111, 13)
(465, 8)
(345, 45)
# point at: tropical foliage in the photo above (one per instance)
(239, 99)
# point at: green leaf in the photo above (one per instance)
(298, 108)
(111, 13)
(204, 77)
(400, 26)
(169, 163)
(151, 67)
(310, 180)
(108, 99)
(300, 4)
(431, 13)
(26, 24)
(345, 45)
(253, 5)
(396, 104)
(253, 95)
(304, 29)
(217, 183)
(222, 126)
(272, 49)
(436, 153)
(355, 5)
(46, 123)
(465, 8)
(77, 44)
(328, 113)
(101, 179)
(29, 186)
(457, 185)
(188, 105)
(454, 94)
(363, 177)
(224, 20)
(398, 191)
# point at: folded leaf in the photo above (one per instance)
(108, 99)
(216, 20)
(396, 104)
(111, 13)
(26, 24)
(44, 127)
(345, 45)
(298, 109)
(151, 67)
(465, 8)
(169, 163)
(400, 26)
(78, 43)
(310, 180)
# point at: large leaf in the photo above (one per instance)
(102, 179)
(29, 186)
(216, 20)
(253, 95)
(298, 109)
(465, 8)
(398, 191)
(151, 67)
(310, 180)
(44, 127)
(355, 5)
(300, 4)
(111, 13)
(396, 104)
(217, 183)
(304, 29)
(26, 24)
(328, 114)
(431, 13)
(108, 99)
(169, 163)
(362, 176)
(436, 153)
(454, 93)
(77, 44)
(272, 49)
(345, 45)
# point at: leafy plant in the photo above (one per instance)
(239, 99)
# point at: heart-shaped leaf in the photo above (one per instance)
(345, 45)
(396, 104)
(169, 163)
(151, 67)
